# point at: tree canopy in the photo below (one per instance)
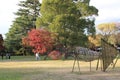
(70, 20)
(95, 41)
(40, 39)
(109, 31)
(107, 28)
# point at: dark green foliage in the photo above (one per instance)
(28, 13)
(69, 20)
(25, 21)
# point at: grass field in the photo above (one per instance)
(27, 68)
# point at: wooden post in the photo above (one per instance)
(76, 59)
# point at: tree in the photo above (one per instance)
(95, 41)
(117, 38)
(117, 35)
(69, 20)
(13, 38)
(1, 43)
(40, 40)
(25, 21)
(108, 30)
(28, 13)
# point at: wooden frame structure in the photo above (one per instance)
(108, 54)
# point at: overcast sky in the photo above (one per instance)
(109, 11)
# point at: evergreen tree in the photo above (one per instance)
(25, 21)
(28, 13)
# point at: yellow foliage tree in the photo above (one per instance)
(107, 29)
(94, 41)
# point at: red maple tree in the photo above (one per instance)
(1, 43)
(39, 39)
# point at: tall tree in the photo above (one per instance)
(28, 13)
(25, 21)
(68, 19)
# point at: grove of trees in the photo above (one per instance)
(71, 22)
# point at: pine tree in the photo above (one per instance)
(25, 21)
(28, 13)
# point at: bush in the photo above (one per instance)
(55, 55)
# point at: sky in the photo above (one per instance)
(109, 11)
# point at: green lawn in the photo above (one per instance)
(27, 68)
(23, 58)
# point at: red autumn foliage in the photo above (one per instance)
(39, 39)
(55, 55)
